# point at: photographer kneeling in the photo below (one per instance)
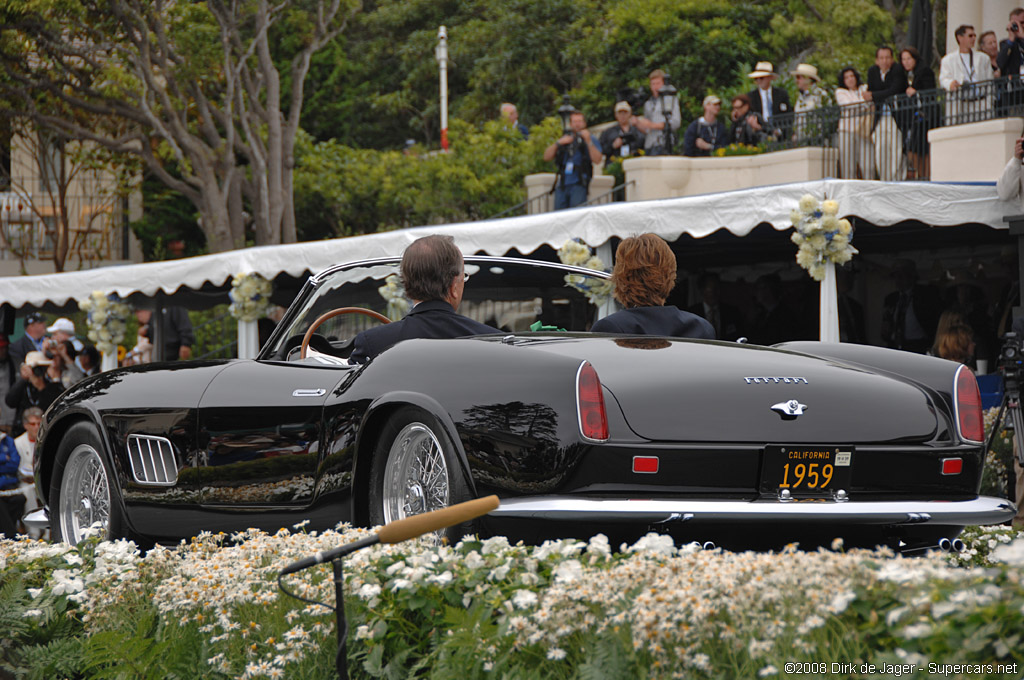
(574, 153)
(32, 388)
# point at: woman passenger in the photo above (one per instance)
(644, 275)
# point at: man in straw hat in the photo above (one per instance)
(653, 122)
(769, 101)
(810, 96)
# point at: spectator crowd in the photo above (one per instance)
(878, 122)
(35, 370)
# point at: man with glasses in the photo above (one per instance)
(434, 276)
(959, 73)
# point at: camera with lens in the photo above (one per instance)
(635, 96)
(1010, 361)
(1014, 27)
(39, 371)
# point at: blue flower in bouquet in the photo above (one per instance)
(821, 235)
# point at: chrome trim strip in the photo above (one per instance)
(469, 259)
(981, 510)
(152, 460)
(311, 392)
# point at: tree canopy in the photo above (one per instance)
(196, 85)
(208, 94)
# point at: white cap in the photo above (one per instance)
(62, 324)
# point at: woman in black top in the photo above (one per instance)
(918, 115)
(644, 275)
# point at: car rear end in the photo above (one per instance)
(747, 445)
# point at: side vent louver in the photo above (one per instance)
(152, 460)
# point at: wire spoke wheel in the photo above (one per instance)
(416, 476)
(84, 495)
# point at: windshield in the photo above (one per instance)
(509, 294)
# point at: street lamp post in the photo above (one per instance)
(441, 53)
(668, 98)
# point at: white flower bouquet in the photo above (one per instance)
(821, 235)
(107, 321)
(250, 297)
(394, 292)
(576, 252)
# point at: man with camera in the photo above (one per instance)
(32, 388)
(959, 72)
(1011, 59)
(575, 153)
(623, 139)
(707, 133)
(659, 128)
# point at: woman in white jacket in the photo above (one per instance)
(855, 121)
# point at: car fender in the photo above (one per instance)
(50, 437)
(366, 438)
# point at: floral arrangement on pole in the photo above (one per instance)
(107, 320)
(577, 252)
(250, 297)
(823, 237)
(394, 292)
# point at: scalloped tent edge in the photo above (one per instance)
(739, 212)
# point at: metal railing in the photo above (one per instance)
(888, 140)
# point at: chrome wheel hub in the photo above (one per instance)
(84, 495)
(415, 475)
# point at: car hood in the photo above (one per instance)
(678, 390)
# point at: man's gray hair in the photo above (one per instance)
(429, 265)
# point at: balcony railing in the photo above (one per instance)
(889, 140)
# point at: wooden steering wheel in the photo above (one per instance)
(330, 315)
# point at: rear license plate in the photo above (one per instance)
(810, 471)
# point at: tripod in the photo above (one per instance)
(1009, 416)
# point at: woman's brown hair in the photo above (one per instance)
(644, 272)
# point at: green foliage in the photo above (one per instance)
(343, 191)
(168, 217)
(210, 608)
(848, 34)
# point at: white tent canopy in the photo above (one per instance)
(739, 212)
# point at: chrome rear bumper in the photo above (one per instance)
(981, 510)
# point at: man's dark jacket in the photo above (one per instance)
(780, 101)
(883, 89)
(431, 319)
(20, 348)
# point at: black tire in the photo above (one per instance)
(82, 479)
(394, 467)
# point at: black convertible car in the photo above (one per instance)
(578, 433)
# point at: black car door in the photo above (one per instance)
(260, 433)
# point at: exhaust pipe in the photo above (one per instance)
(706, 545)
(958, 546)
(945, 545)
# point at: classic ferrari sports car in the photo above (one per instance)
(578, 433)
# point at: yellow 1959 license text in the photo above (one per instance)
(806, 470)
